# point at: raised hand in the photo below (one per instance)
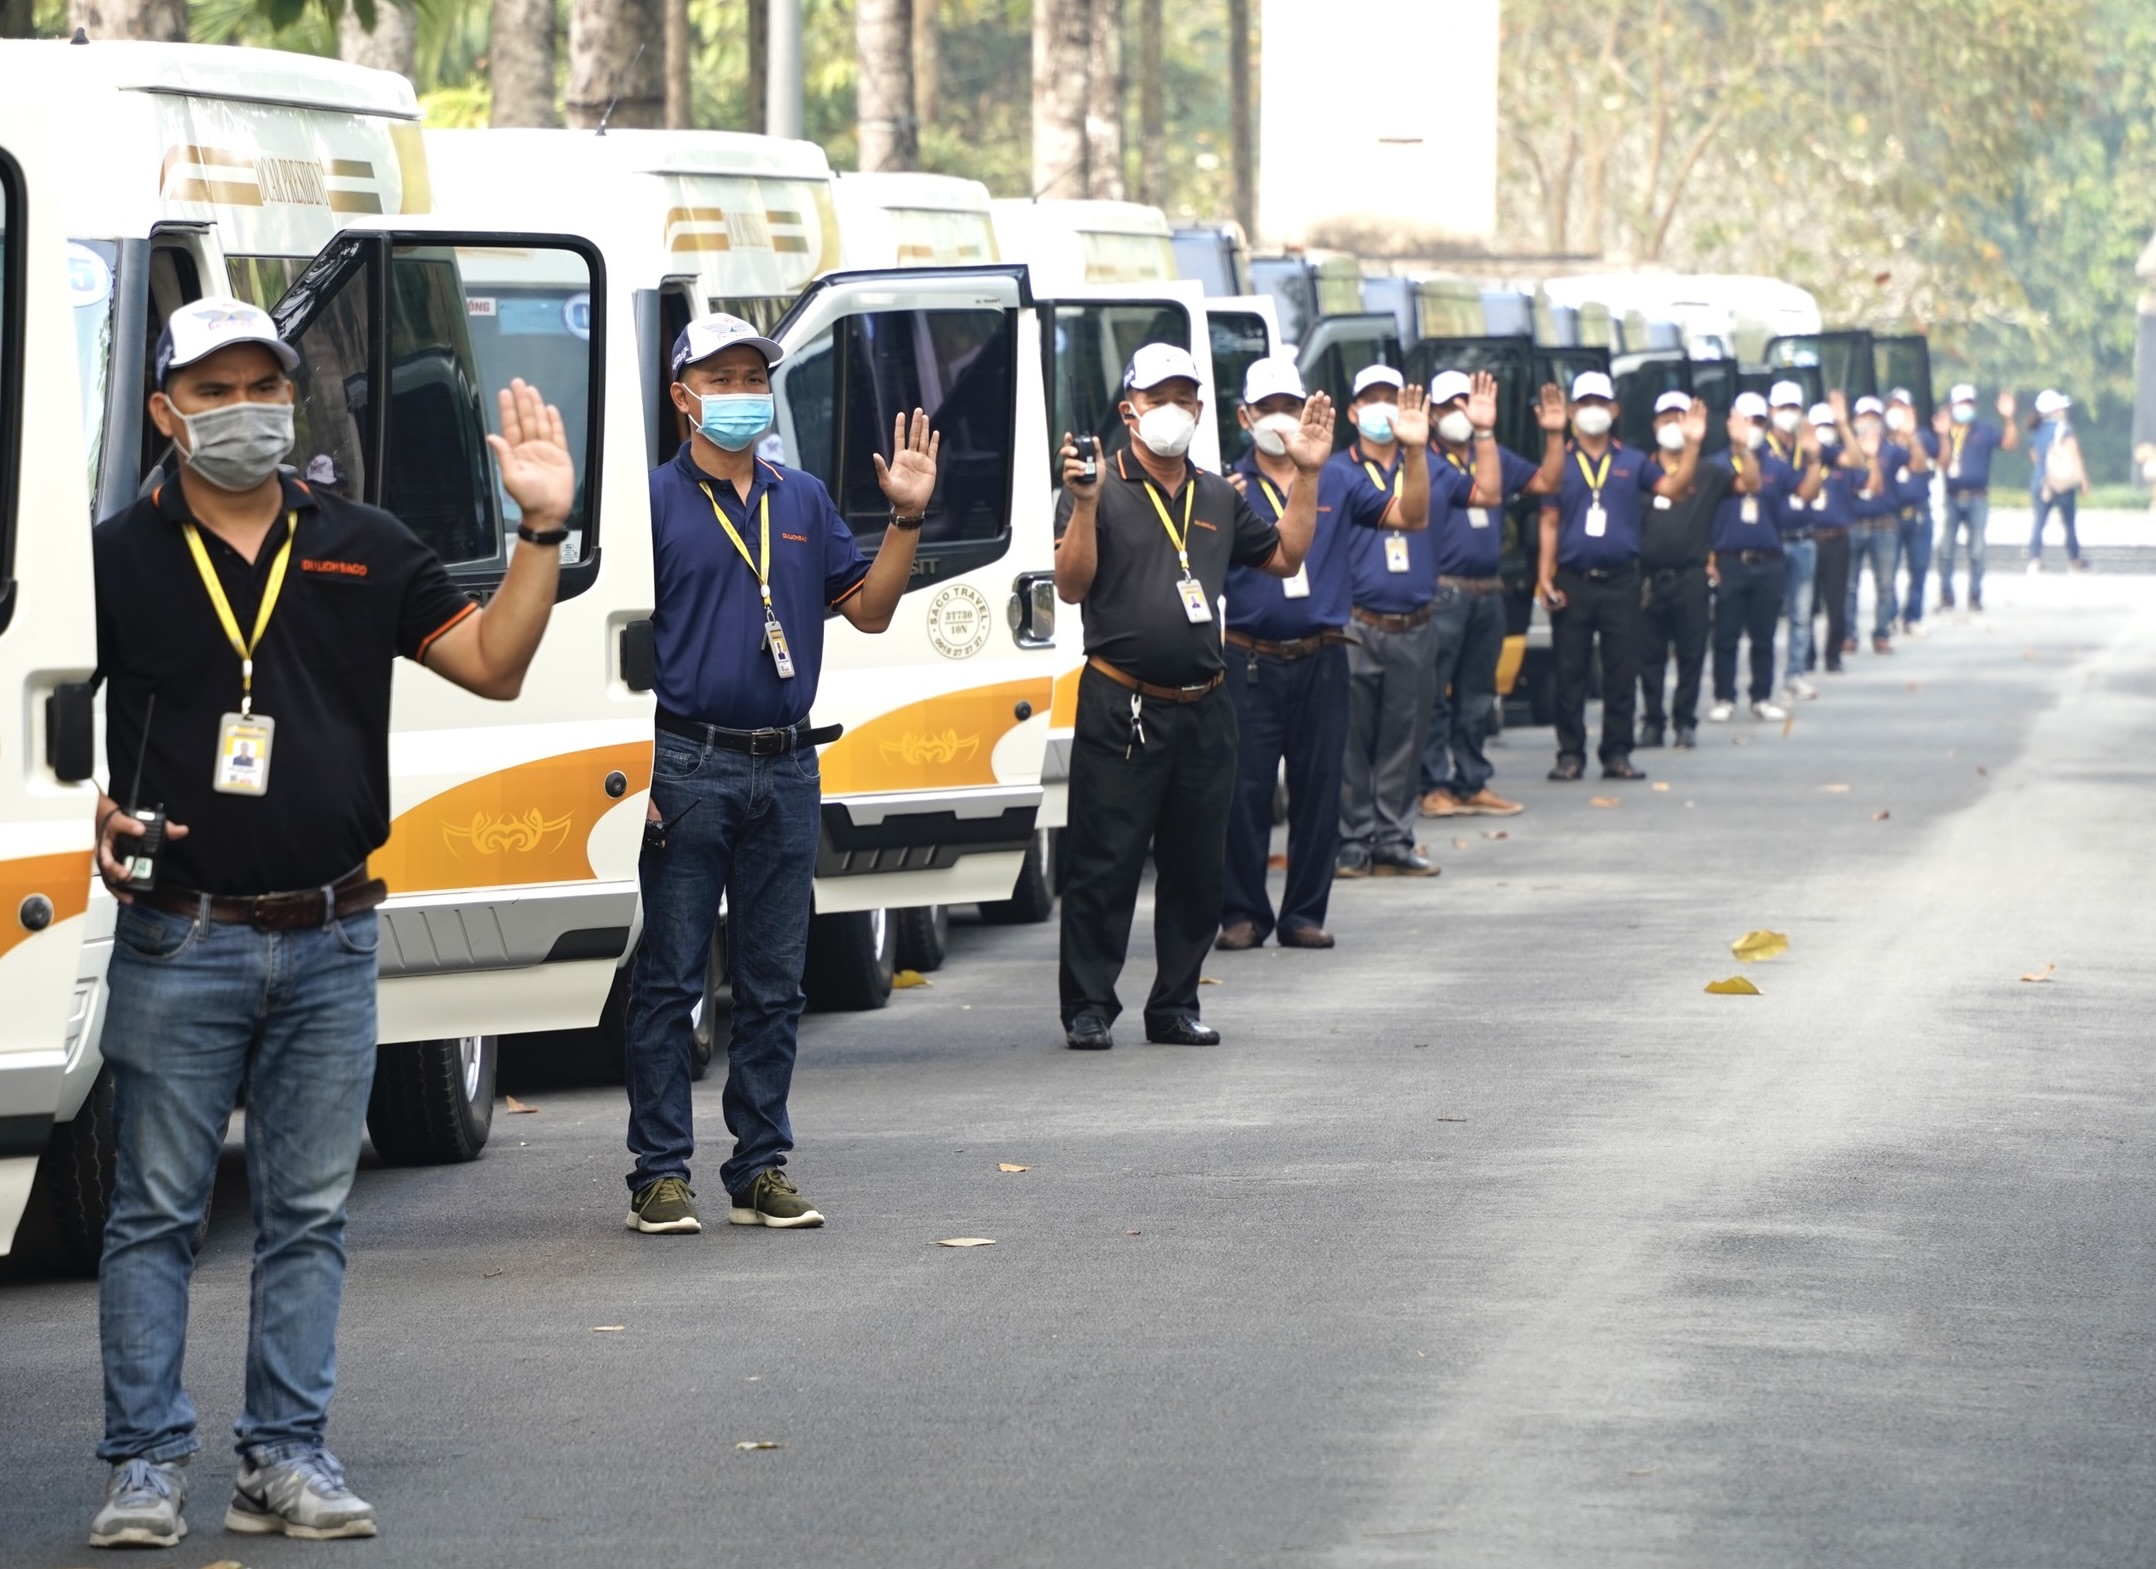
(533, 454)
(1941, 421)
(2006, 405)
(1482, 400)
(909, 479)
(1694, 422)
(1838, 401)
(1411, 425)
(1551, 414)
(1807, 439)
(1740, 431)
(1312, 442)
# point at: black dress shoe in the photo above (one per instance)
(1568, 769)
(1238, 937)
(1393, 861)
(1621, 768)
(1651, 735)
(1087, 1032)
(1305, 937)
(1687, 737)
(1183, 1030)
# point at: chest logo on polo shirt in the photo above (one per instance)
(958, 621)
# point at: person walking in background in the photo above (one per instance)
(1790, 441)
(1749, 570)
(1912, 490)
(1876, 535)
(1967, 444)
(2057, 477)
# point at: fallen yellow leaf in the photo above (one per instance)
(1208, 980)
(1735, 986)
(2044, 974)
(515, 1106)
(759, 1443)
(1659, 784)
(1753, 947)
(1789, 723)
(906, 980)
(1835, 789)
(1004, 1165)
(1459, 844)
(1605, 800)
(965, 1242)
(608, 1329)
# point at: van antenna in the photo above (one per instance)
(609, 114)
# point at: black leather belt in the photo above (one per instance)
(757, 743)
(276, 912)
(1830, 532)
(1796, 533)
(1603, 574)
(1753, 558)
(1473, 585)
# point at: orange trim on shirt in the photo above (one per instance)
(427, 642)
(850, 592)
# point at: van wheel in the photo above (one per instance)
(922, 937)
(433, 1101)
(706, 1019)
(78, 1170)
(850, 961)
(1033, 896)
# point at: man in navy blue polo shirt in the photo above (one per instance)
(1287, 655)
(1394, 661)
(1588, 570)
(1966, 445)
(1749, 568)
(1790, 441)
(748, 556)
(1467, 542)
(1912, 486)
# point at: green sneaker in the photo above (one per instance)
(665, 1205)
(772, 1201)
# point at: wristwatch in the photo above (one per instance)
(908, 524)
(531, 536)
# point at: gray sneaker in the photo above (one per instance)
(304, 1497)
(143, 1500)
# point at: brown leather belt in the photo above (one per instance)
(1300, 648)
(1473, 585)
(1827, 531)
(277, 912)
(1406, 622)
(1159, 694)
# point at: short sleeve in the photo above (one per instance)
(1650, 474)
(845, 569)
(1449, 487)
(1065, 502)
(1255, 539)
(1715, 479)
(1515, 470)
(1362, 502)
(431, 603)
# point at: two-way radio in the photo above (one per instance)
(142, 863)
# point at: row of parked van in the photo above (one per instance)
(415, 271)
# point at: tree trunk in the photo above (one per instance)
(389, 47)
(927, 60)
(759, 63)
(1104, 102)
(1062, 42)
(1242, 144)
(617, 59)
(680, 44)
(520, 63)
(16, 18)
(1152, 107)
(159, 21)
(883, 42)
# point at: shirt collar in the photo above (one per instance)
(171, 501)
(1129, 468)
(764, 475)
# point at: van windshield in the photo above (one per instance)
(89, 291)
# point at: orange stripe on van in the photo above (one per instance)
(939, 743)
(64, 879)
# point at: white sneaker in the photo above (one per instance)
(1769, 711)
(2035, 566)
(1800, 690)
(1720, 713)
(1915, 629)
(305, 1497)
(143, 1500)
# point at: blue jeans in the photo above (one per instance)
(1802, 559)
(1875, 545)
(2067, 505)
(1294, 710)
(1470, 641)
(1966, 511)
(196, 1010)
(752, 835)
(1916, 556)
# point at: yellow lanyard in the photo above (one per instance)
(1179, 541)
(244, 647)
(1595, 481)
(1280, 505)
(1956, 435)
(762, 569)
(1774, 446)
(1377, 476)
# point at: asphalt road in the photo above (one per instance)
(1487, 1239)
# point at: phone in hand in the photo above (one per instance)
(1088, 450)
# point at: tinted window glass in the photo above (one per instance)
(1093, 344)
(1238, 342)
(1640, 379)
(90, 293)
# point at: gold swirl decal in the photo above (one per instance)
(511, 835)
(949, 747)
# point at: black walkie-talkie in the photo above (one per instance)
(142, 864)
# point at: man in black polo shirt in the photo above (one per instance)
(1146, 549)
(247, 627)
(1676, 535)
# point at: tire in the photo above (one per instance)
(1033, 897)
(79, 1173)
(921, 937)
(851, 960)
(433, 1101)
(613, 1030)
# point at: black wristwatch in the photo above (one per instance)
(908, 524)
(531, 536)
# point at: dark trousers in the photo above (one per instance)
(1292, 709)
(1470, 641)
(1608, 609)
(1673, 619)
(1916, 558)
(1747, 605)
(1171, 795)
(1832, 597)
(1389, 677)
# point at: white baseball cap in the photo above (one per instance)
(1785, 394)
(1870, 406)
(1749, 405)
(1902, 395)
(1673, 399)
(1375, 376)
(706, 335)
(1963, 393)
(1155, 363)
(1275, 376)
(1449, 384)
(1592, 384)
(1822, 415)
(2053, 401)
(198, 330)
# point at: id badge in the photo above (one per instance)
(1901, 476)
(1598, 522)
(1748, 510)
(243, 754)
(1819, 502)
(775, 640)
(1395, 552)
(1195, 610)
(1298, 586)
(1663, 503)
(1478, 517)
(1953, 471)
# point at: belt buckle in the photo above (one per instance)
(767, 742)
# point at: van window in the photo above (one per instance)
(90, 268)
(841, 392)
(1239, 342)
(1093, 344)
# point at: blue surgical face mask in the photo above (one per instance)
(1374, 420)
(734, 420)
(1964, 413)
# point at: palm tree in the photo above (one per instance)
(617, 63)
(520, 63)
(160, 21)
(883, 41)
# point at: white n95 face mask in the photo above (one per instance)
(1591, 419)
(238, 446)
(1167, 429)
(1756, 437)
(1454, 426)
(1270, 432)
(1787, 420)
(1670, 437)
